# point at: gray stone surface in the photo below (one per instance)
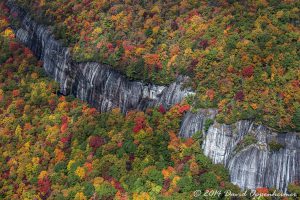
(99, 85)
(252, 166)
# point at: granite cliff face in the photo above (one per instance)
(95, 83)
(251, 166)
(255, 155)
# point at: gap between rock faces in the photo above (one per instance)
(105, 89)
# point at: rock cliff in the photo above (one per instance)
(98, 84)
(255, 155)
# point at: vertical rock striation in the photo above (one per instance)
(193, 122)
(99, 85)
(248, 151)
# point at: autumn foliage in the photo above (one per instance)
(227, 48)
(96, 141)
(55, 148)
(248, 71)
(67, 150)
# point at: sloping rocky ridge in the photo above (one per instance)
(250, 167)
(95, 83)
(254, 165)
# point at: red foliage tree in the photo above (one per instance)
(110, 47)
(184, 108)
(161, 109)
(66, 139)
(44, 185)
(127, 46)
(96, 141)
(15, 93)
(239, 96)
(118, 186)
(248, 71)
(203, 44)
(139, 124)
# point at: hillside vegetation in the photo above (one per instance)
(56, 147)
(242, 57)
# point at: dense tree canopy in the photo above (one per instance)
(242, 56)
(56, 147)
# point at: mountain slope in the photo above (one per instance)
(243, 57)
(55, 147)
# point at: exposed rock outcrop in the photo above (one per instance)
(255, 155)
(99, 85)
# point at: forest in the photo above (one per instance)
(58, 147)
(242, 56)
